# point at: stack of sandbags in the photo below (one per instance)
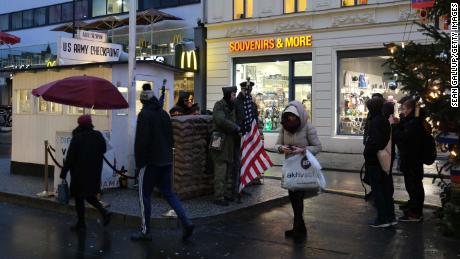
(191, 134)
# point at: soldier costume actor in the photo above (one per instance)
(246, 89)
(223, 140)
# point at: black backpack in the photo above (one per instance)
(429, 152)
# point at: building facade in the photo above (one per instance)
(328, 54)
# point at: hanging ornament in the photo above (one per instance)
(392, 85)
(443, 56)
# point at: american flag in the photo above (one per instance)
(421, 4)
(254, 159)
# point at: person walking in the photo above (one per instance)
(296, 136)
(84, 160)
(408, 135)
(153, 154)
(381, 182)
(184, 105)
(223, 143)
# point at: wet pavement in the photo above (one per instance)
(336, 229)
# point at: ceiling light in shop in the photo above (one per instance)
(189, 74)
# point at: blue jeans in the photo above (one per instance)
(382, 190)
(159, 176)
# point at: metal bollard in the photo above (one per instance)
(45, 193)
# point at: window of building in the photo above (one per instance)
(54, 14)
(243, 9)
(67, 12)
(48, 107)
(292, 6)
(40, 16)
(353, 2)
(27, 18)
(114, 6)
(72, 110)
(4, 22)
(24, 101)
(125, 6)
(276, 83)
(81, 9)
(99, 7)
(16, 20)
(169, 3)
(361, 74)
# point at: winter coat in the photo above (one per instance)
(154, 137)
(84, 160)
(408, 136)
(304, 137)
(378, 135)
(224, 123)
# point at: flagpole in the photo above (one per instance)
(131, 85)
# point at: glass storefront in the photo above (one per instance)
(360, 76)
(276, 83)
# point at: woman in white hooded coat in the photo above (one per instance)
(296, 136)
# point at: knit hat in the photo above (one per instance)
(85, 120)
(147, 95)
(229, 89)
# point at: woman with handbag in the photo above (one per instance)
(378, 161)
(296, 136)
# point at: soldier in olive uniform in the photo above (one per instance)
(225, 132)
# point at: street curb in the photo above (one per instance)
(361, 195)
(128, 220)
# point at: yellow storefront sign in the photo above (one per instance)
(273, 43)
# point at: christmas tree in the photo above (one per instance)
(423, 70)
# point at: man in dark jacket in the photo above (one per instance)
(84, 160)
(408, 135)
(222, 152)
(382, 183)
(153, 153)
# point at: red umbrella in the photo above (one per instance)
(6, 38)
(83, 91)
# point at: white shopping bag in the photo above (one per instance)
(302, 173)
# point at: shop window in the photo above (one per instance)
(81, 9)
(292, 6)
(169, 3)
(99, 7)
(243, 9)
(303, 68)
(99, 112)
(114, 6)
(271, 90)
(27, 18)
(48, 107)
(72, 110)
(39, 16)
(67, 12)
(16, 20)
(125, 6)
(353, 2)
(24, 101)
(4, 22)
(359, 78)
(54, 14)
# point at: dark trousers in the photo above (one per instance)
(159, 176)
(80, 207)
(414, 186)
(296, 198)
(382, 190)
